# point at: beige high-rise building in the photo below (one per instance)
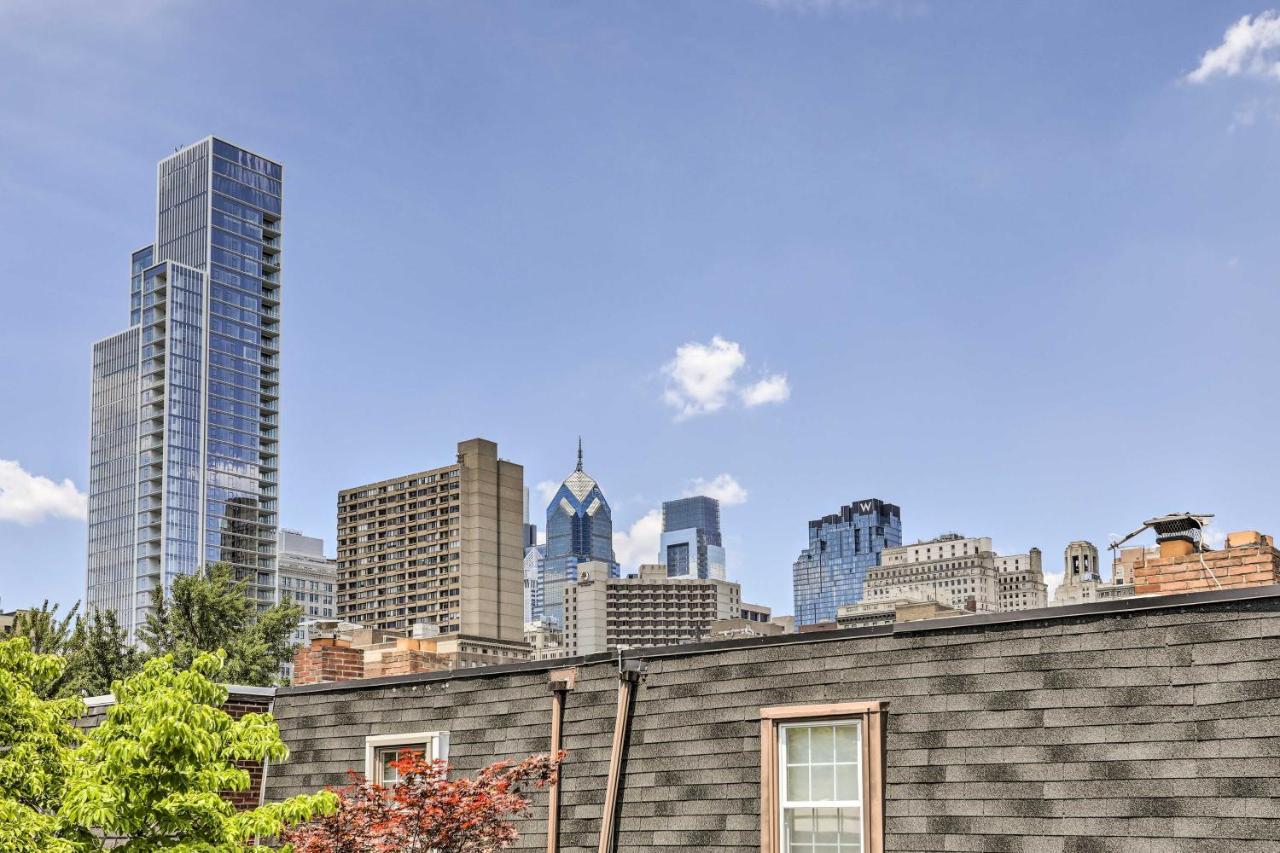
(960, 573)
(648, 609)
(441, 548)
(1020, 582)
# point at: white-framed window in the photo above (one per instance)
(820, 786)
(822, 777)
(381, 750)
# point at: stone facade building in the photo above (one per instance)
(1082, 577)
(1020, 582)
(442, 548)
(1146, 724)
(888, 611)
(960, 573)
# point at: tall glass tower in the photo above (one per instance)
(691, 544)
(184, 448)
(579, 529)
(842, 547)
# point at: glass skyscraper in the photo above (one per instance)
(842, 547)
(184, 449)
(579, 529)
(691, 544)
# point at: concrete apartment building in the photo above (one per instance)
(648, 609)
(960, 573)
(442, 548)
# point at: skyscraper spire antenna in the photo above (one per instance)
(579, 453)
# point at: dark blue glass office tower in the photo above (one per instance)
(842, 547)
(579, 530)
(184, 448)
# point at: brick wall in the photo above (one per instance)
(1147, 725)
(327, 660)
(237, 706)
(403, 662)
(1255, 564)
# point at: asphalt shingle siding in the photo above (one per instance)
(1154, 731)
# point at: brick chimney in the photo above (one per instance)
(1249, 559)
(327, 659)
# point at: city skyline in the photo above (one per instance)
(794, 283)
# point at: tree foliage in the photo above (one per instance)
(49, 635)
(36, 743)
(151, 773)
(213, 610)
(98, 654)
(426, 810)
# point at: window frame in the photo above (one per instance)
(871, 716)
(373, 744)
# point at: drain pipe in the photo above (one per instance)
(560, 682)
(630, 674)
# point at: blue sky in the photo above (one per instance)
(1009, 265)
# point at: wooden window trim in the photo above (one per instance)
(872, 716)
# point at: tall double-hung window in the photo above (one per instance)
(822, 778)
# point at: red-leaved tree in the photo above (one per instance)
(426, 810)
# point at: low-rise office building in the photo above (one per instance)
(908, 608)
(545, 640)
(648, 609)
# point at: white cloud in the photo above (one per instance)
(1250, 47)
(771, 389)
(543, 492)
(703, 378)
(723, 488)
(27, 498)
(1052, 580)
(639, 543)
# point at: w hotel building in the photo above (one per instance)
(184, 450)
(440, 550)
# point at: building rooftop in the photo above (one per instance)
(1050, 615)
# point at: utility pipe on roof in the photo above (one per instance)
(630, 674)
(561, 682)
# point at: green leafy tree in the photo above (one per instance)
(154, 769)
(36, 757)
(213, 610)
(151, 775)
(99, 654)
(48, 635)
